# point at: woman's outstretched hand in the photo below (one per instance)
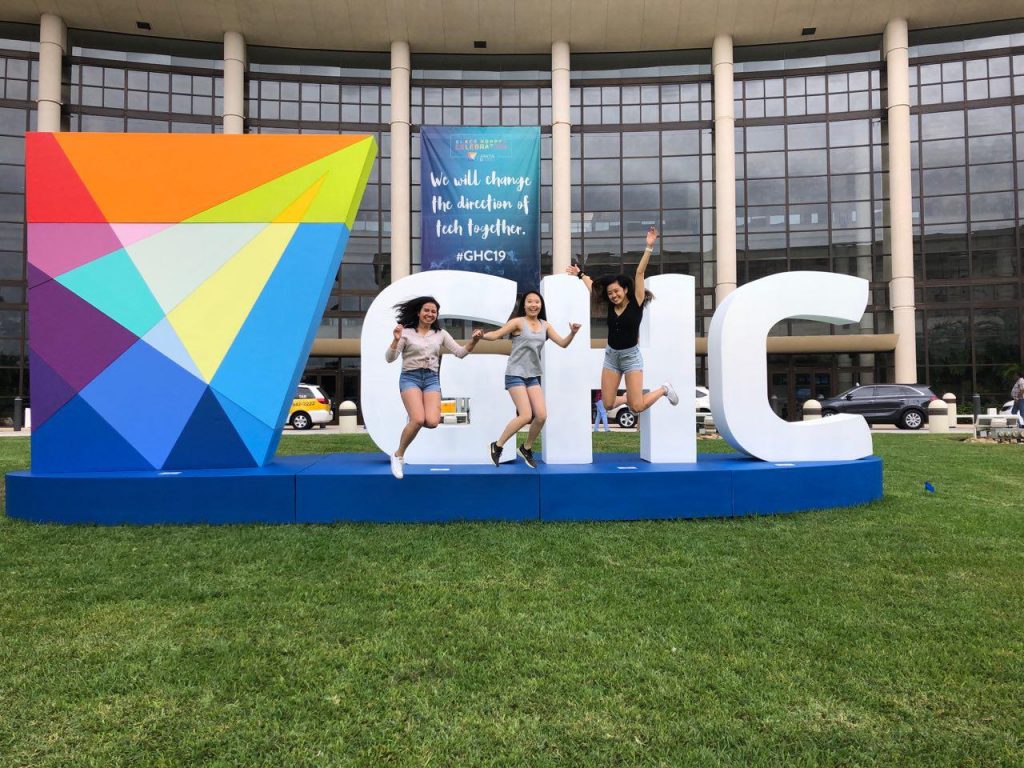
(652, 237)
(478, 334)
(397, 333)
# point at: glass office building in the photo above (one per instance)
(812, 191)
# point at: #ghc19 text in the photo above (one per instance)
(494, 256)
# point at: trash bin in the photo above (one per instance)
(950, 400)
(938, 417)
(347, 417)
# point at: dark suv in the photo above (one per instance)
(905, 405)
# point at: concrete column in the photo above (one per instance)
(725, 169)
(234, 83)
(401, 216)
(53, 43)
(901, 284)
(561, 160)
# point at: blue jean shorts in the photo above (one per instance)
(623, 360)
(522, 381)
(420, 378)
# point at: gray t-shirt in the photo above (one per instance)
(524, 360)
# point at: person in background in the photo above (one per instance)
(418, 338)
(600, 413)
(1017, 395)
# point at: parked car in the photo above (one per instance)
(1005, 411)
(905, 405)
(310, 406)
(625, 417)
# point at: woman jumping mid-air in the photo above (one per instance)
(529, 329)
(418, 338)
(626, 301)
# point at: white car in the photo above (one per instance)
(626, 418)
(1005, 411)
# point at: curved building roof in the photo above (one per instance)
(508, 26)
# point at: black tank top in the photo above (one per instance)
(624, 329)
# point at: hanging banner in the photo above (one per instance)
(480, 207)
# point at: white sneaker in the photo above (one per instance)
(670, 393)
(397, 464)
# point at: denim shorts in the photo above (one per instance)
(522, 381)
(420, 378)
(623, 360)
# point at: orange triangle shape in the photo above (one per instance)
(169, 178)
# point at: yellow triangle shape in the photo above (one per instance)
(344, 174)
(294, 212)
(209, 319)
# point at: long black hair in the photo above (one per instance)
(521, 309)
(601, 287)
(408, 312)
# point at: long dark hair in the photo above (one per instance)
(601, 288)
(521, 309)
(408, 312)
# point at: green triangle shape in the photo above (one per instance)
(345, 174)
(114, 286)
(344, 185)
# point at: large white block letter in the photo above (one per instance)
(569, 374)
(669, 434)
(738, 376)
(469, 295)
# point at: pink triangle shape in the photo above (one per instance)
(54, 249)
(132, 233)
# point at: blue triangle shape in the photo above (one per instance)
(164, 339)
(77, 439)
(114, 286)
(209, 440)
(263, 365)
(260, 439)
(164, 398)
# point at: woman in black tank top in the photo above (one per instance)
(626, 301)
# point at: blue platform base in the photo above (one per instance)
(359, 488)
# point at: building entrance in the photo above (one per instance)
(795, 386)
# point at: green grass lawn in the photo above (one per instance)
(891, 634)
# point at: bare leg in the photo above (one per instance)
(413, 401)
(610, 387)
(431, 409)
(638, 401)
(523, 417)
(540, 415)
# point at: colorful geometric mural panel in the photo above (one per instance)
(176, 285)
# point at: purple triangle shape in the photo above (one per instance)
(36, 275)
(73, 337)
(49, 391)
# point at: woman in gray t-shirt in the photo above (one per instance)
(529, 329)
